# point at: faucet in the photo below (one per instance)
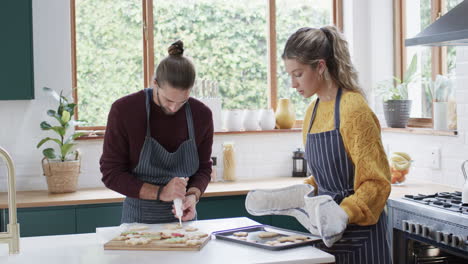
(12, 235)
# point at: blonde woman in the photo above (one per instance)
(350, 172)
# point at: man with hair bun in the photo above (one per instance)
(157, 145)
(343, 200)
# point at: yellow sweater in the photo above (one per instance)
(360, 130)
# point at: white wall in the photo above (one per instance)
(20, 120)
(258, 155)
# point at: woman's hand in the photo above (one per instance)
(173, 189)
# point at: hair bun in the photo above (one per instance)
(176, 49)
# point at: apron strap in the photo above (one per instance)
(337, 108)
(313, 115)
(188, 114)
(149, 96)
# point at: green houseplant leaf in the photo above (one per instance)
(63, 116)
(396, 88)
(49, 153)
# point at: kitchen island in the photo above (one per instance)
(88, 248)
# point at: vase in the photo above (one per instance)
(267, 119)
(440, 115)
(250, 120)
(234, 120)
(285, 114)
(397, 112)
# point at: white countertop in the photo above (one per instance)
(88, 248)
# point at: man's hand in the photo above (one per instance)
(174, 189)
(188, 207)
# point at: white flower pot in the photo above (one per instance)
(250, 120)
(267, 119)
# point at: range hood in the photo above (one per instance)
(450, 29)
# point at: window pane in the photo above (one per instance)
(290, 16)
(227, 41)
(108, 55)
(418, 17)
(451, 51)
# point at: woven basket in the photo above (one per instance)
(62, 177)
(397, 112)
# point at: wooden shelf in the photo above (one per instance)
(292, 130)
(421, 131)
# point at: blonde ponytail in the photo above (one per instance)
(308, 45)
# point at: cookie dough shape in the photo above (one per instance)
(137, 241)
(240, 234)
(286, 239)
(173, 226)
(190, 228)
(138, 228)
(193, 242)
(267, 234)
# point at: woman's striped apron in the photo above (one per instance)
(333, 171)
(158, 166)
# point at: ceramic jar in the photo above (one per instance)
(250, 120)
(234, 120)
(285, 114)
(267, 119)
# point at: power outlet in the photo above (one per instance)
(435, 158)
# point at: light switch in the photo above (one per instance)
(435, 158)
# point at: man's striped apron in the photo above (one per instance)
(333, 171)
(158, 166)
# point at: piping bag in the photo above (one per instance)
(178, 207)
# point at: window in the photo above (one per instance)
(412, 16)
(237, 44)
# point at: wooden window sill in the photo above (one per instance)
(100, 135)
(421, 131)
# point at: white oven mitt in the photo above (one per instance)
(283, 201)
(331, 219)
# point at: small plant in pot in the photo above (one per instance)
(63, 167)
(394, 92)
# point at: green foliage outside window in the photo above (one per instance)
(226, 40)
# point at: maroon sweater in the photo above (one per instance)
(125, 134)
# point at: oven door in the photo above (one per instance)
(414, 249)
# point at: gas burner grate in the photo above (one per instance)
(444, 200)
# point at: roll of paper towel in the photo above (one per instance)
(214, 103)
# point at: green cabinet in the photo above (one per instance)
(73, 219)
(61, 220)
(16, 50)
(43, 221)
(234, 206)
(88, 217)
(224, 207)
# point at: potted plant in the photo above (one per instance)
(63, 167)
(394, 92)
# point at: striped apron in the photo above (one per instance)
(158, 166)
(333, 171)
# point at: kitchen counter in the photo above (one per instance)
(42, 198)
(88, 248)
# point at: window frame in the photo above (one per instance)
(438, 54)
(148, 51)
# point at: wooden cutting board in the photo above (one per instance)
(154, 245)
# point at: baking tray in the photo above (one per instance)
(252, 238)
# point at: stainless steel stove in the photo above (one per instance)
(429, 228)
